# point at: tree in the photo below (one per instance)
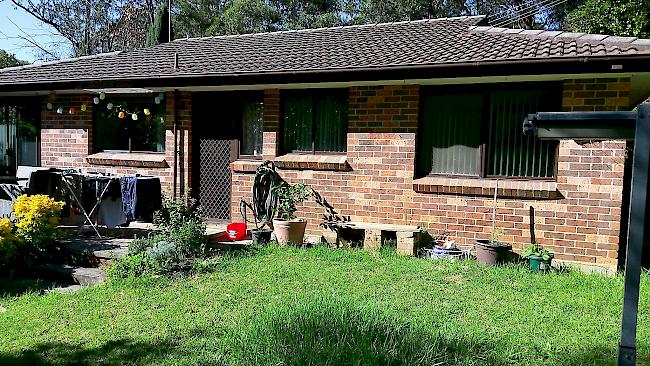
(9, 60)
(93, 26)
(159, 31)
(616, 17)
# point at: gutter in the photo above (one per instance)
(558, 65)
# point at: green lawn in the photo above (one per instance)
(323, 306)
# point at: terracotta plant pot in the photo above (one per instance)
(289, 231)
(492, 253)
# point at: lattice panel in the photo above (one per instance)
(215, 178)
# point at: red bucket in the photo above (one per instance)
(236, 231)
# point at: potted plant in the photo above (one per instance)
(492, 251)
(286, 227)
(539, 257)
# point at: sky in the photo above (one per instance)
(27, 23)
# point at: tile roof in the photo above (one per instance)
(377, 46)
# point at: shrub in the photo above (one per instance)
(190, 238)
(176, 212)
(37, 218)
(140, 245)
(136, 265)
(181, 239)
(9, 246)
(166, 256)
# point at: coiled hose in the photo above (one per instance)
(264, 198)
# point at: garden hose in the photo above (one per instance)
(264, 198)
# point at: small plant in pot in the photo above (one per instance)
(539, 257)
(492, 251)
(287, 228)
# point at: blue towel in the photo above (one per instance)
(129, 196)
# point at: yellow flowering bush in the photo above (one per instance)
(36, 218)
(9, 245)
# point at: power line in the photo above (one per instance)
(529, 12)
(530, 7)
(507, 12)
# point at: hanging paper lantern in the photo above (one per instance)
(134, 116)
(156, 100)
(161, 96)
(72, 110)
(59, 110)
(109, 105)
(121, 115)
(96, 100)
(102, 96)
(146, 111)
(49, 106)
(84, 107)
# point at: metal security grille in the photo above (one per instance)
(215, 178)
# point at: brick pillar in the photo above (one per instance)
(271, 145)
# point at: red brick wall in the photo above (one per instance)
(581, 226)
(66, 140)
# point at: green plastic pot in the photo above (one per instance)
(538, 264)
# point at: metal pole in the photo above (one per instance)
(636, 234)
(169, 20)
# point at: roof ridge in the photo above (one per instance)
(55, 62)
(307, 30)
(590, 38)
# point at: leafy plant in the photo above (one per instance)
(166, 255)
(289, 196)
(136, 265)
(496, 235)
(176, 212)
(536, 250)
(182, 238)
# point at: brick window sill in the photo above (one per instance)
(313, 162)
(136, 159)
(245, 165)
(526, 189)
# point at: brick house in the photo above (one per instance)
(400, 123)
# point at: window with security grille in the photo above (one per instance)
(477, 133)
(315, 120)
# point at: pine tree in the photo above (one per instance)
(159, 31)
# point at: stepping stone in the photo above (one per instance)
(65, 289)
(102, 249)
(79, 275)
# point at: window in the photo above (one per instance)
(478, 134)
(315, 121)
(116, 128)
(252, 117)
(19, 136)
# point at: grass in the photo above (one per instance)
(328, 307)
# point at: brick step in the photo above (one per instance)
(78, 275)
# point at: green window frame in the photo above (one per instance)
(314, 121)
(475, 131)
(144, 134)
